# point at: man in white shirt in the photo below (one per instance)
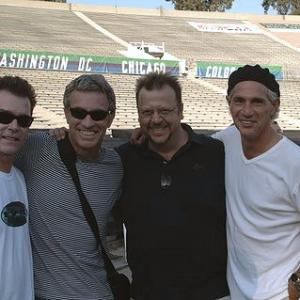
(262, 176)
(17, 100)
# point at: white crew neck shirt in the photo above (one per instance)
(16, 275)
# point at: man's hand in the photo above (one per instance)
(58, 133)
(137, 137)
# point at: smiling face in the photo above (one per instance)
(252, 111)
(159, 115)
(86, 134)
(12, 136)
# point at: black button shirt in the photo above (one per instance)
(175, 217)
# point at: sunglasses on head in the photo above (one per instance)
(7, 117)
(96, 115)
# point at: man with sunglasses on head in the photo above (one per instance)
(67, 261)
(173, 202)
(17, 100)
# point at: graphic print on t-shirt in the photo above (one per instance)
(14, 214)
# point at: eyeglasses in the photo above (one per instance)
(165, 181)
(7, 117)
(162, 112)
(96, 115)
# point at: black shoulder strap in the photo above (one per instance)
(68, 157)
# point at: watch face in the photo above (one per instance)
(294, 277)
(297, 285)
(296, 281)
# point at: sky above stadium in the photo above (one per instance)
(239, 6)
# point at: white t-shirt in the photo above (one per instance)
(263, 218)
(16, 275)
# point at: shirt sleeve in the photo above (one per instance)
(31, 150)
(218, 135)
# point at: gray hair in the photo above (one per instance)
(272, 96)
(90, 83)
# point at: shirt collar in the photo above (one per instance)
(193, 137)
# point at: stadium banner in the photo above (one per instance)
(275, 27)
(223, 70)
(226, 27)
(49, 61)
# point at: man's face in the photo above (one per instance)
(12, 135)
(159, 114)
(86, 134)
(252, 110)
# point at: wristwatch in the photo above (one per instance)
(296, 281)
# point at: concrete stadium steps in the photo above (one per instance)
(289, 116)
(51, 30)
(180, 39)
(221, 83)
(204, 108)
(291, 37)
(185, 42)
(61, 31)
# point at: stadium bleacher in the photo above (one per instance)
(50, 30)
(36, 27)
(185, 42)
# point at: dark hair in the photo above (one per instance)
(19, 87)
(155, 80)
(91, 83)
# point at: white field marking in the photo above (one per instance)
(101, 29)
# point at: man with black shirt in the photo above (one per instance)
(173, 201)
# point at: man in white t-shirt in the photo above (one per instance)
(17, 100)
(263, 192)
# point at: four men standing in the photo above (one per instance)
(173, 194)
